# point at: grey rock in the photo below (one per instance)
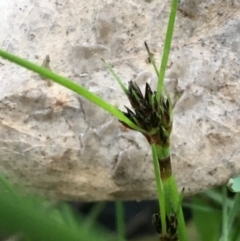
(55, 143)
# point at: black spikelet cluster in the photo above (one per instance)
(172, 225)
(148, 113)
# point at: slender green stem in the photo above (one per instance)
(120, 220)
(169, 192)
(217, 197)
(164, 162)
(110, 69)
(199, 207)
(150, 55)
(182, 232)
(169, 205)
(160, 191)
(224, 236)
(167, 47)
(234, 211)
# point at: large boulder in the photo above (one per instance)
(56, 143)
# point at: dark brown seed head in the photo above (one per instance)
(150, 114)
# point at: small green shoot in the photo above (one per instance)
(110, 69)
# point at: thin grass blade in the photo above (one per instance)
(151, 59)
(110, 69)
(166, 49)
(70, 85)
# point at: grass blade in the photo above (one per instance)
(224, 236)
(167, 47)
(234, 211)
(70, 85)
(150, 55)
(207, 222)
(110, 69)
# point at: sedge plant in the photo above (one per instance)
(152, 116)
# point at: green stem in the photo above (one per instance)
(182, 232)
(170, 195)
(224, 236)
(234, 210)
(167, 47)
(160, 191)
(120, 220)
(165, 173)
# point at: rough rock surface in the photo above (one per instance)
(56, 143)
